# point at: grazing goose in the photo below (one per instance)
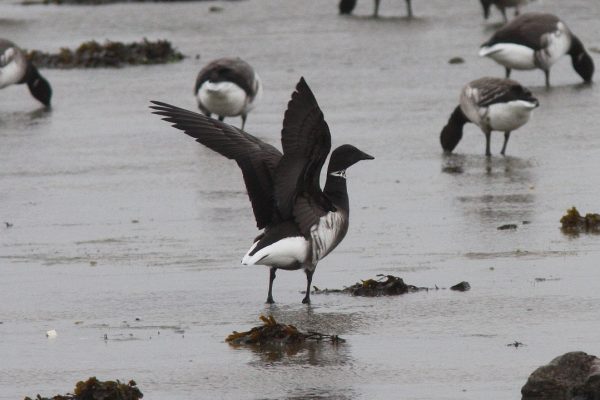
(16, 69)
(346, 7)
(502, 5)
(302, 223)
(227, 87)
(537, 40)
(493, 104)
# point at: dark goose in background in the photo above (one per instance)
(493, 104)
(502, 5)
(347, 6)
(15, 69)
(302, 223)
(537, 40)
(227, 87)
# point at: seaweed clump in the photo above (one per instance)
(573, 223)
(93, 54)
(93, 389)
(384, 285)
(272, 332)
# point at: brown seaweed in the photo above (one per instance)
(93, 54)
(93, 389)
(274, 333)
(573, 223)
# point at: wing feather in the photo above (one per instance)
(257, 160)
(306, 142)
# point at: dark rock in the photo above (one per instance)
(507, 226)
(461, 287)
(456, 60)
(572, 376)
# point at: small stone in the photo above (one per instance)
(215, 9)
(461, 287)
(456, 60)
(93, 263)
(507, 227)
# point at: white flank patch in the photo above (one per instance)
(557, 43)
(12, 70)
(223, 98)
(510, 55)
(328, 233)
(285, 252)
(509, 116)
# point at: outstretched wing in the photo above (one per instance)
(527, 30)
(306, 143)
(256, 158)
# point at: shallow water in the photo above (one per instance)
(117, 216)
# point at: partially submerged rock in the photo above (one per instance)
(93, 389)
(572, 222)
(572, 376)
(110, 54)
(274, 333)
(461, 287)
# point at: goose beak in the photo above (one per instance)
(365, 156)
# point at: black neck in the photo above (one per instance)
(453, 131)
(576, 47)
(336, 190)
(31, 74)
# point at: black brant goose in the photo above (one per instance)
(537, 40)
(493, 104)
(346, 7)
(302, 223)
(227, 87)
(16, 69)
(502, 5)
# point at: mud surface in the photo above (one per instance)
(126, 235)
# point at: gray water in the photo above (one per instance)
(117, 217)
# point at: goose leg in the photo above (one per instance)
(409, 8)
(271, 279)
(244, 116)
(376, 12)
(309, 275)
(508, 71)
(488, 153)
(504, 14)
(506, 137)
(221, 117)
(547, 73)
(517, 10)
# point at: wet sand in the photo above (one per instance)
(117, 216)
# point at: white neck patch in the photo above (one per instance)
(339, 174)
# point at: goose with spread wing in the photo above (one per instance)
(302, 223)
